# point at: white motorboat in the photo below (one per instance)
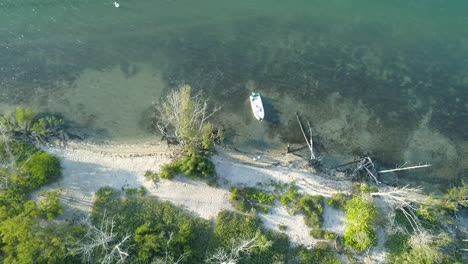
(257, 106)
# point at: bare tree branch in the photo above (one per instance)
(180, 113)
(399, 198)
(401, 168)
(367, 165)
(242, 246)
(309, 142)
(103, 241)
(168, 259)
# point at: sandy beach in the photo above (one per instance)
(88, 167)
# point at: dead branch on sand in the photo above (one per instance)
(368, 166)
(399, 198)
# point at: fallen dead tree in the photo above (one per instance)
(309, 141)
(367, 165)
(400, 198)
(102, 244)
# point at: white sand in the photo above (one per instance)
(86, 168)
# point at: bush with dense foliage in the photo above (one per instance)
(151, 223)
(41, 168)
(361, 216)
(194, 166)
(27, 232)
(457, 197)
(245, 199)
(337, 200)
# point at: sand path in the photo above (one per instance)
(88, 167)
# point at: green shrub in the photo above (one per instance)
(368, 189)
(290, 196)
(152, 176)
(337, 200)
(24, 117)
(330, 235)
(312, 208)
(457, 196)
(427, 213)
(20, 150)
(420, 248)
(197, 166)
(207, 139)
(234, 194)
(250, 198)
(41, 168)
(151, 223)
(316, 233)
(321, 253)
(361, 216)
(396, 244)
(142, 191)
(50, 205)
(168, 171)
(364, 188)
(261, 197)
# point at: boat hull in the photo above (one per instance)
(257, 106)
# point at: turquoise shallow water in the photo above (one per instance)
(385, 77)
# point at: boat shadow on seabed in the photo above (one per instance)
(272, 115)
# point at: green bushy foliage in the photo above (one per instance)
(193, 165)
(426, 213)
(25, 122)
(312, 208)
(368, 189)
(337, 200)
(329, 235)
(24, 117)
(45, 124)
(152, 176)
(322, 253)
(231, 226)
(396, 244)
(168, 171)
(20, 150)
(207, 141)
(41, 168)
(457, 196)
(291, 195)
(197, 166)
(246, 199)
(50, 205)
(361, 216)
(27, 237)
(420, 248)
(152, 223)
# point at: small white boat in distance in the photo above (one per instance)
(257, 106)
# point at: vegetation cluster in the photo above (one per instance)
(162, 233)
(182, 117)
(27, 231)
(24, 124)
(252, 200)
(361, 216)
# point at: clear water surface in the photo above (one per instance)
(388, 78)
